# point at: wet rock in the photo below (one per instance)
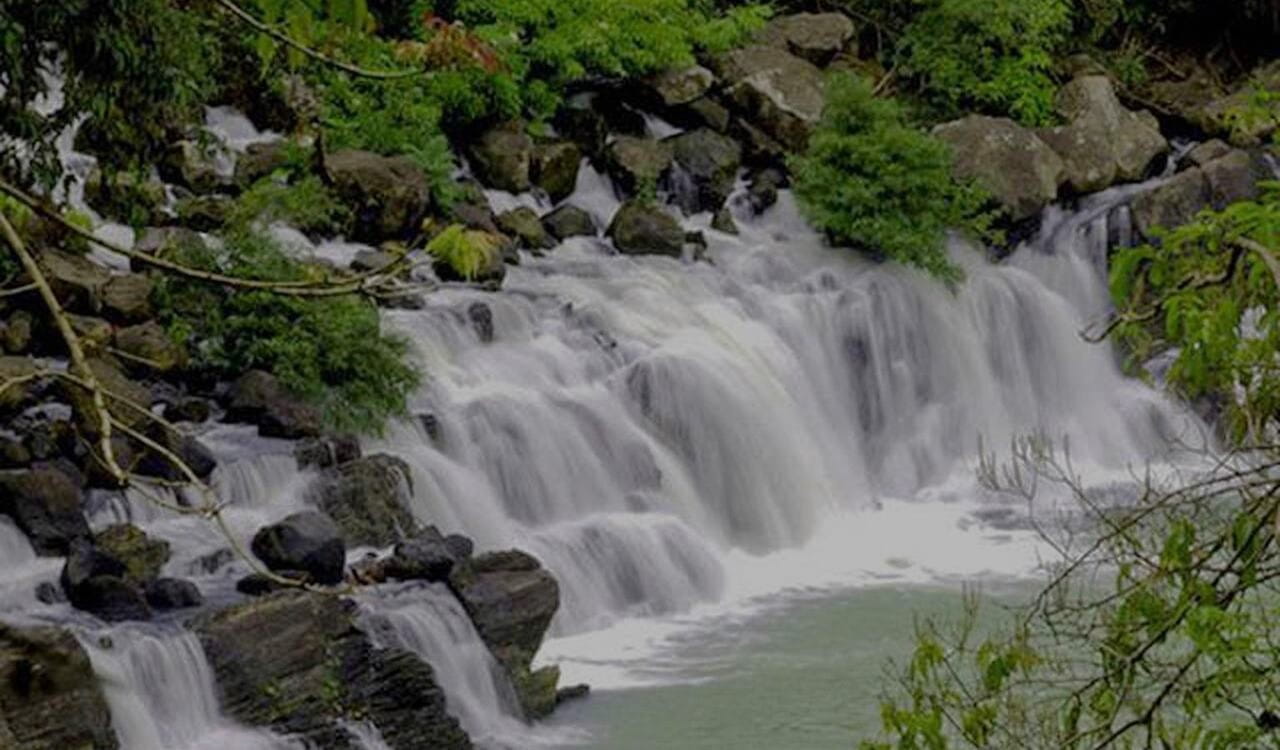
(1019, 169)
(50, 698)
(149, 346)
(127, 298)
(511, 601)
(572, 693)
(481, 317)
(173, 593)
(555, 169)
(428, 556)
(723, 221)
(193, 165)
(48, 593)
(502, 158)
(677, 86)
(259, 584)
(522, 223)
(640, 228)
(1104, 141)
(204, 213)
(47, 439)
(99, 475)
(17, 332)
(308, 541)
(260, 160)
(816, 37)
(1234, 177)
(704, 112)
(1206, 152)
(45, 504)
(578, 120)
(194, 453)
(123, 396)
(637, 165)
(97, 582)
(367, 500)
(322, 453)
(569, 221)
(762, 191)
(711, 163)
(19, 395)
(461, 546)
(388, 194)
(778, 92)
(1173, 203)
(297, 662)
(194, 410)
(141, 556)
(212, 562)
(258, 398)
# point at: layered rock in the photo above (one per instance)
(50, 698)
(367, 499)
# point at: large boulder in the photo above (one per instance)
(523, 224)
(642, 228)
(367, 499)
(428, 556)
(1006, 159)
(817, 37)
(511, 600)
(569, 221)
(297, 662)
(1173, 203)
(554, 168)
(306, 541)
(258, 398)
(388, 194)
(1104, 141)
(98, 582)
(50, 698)
(677, 86)
(579, 121)
(637, 164)
(502, 158)
(1234, 177)
(779, 93)
(142, 556)
(710, 161)
(127, 298)
(45, 503)
(173, 593)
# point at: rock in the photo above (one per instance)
(19, 395)
(296, 661)
(388, 194)
(259, 584)
(816, 37)
(149, 345)
(569, 221)
(572, 693)
(1014, 165)
(523, 224)
(367, 499)
(554, 168)
(481, 317)
(502, 158)
(127, 298)
(372, 260)
(204, 213)
(1249, 115)
(260, 160)
(723, 221)
(96, 582)
(1234, 177)
(704, 112)
(461, 546)
(99, 475)
(173, 593)
(322, 453)
(194, 410)
(1206, 152)
(45, 504)
(49, 593)
(511, 601)
(427, 557)
(308, 541)
(677, 86)
(17, 332)
(142, 556)
(578, 121)
(193, 453)
(640, 228)
(125, 196)
(95, 333)
(76, 281)
(778, 92)
(50, 698)
(637, 164)
(1173, 203)
(119, 390)
(193, 165)
(163, 242)
(1104, 141)
(213, 562)
(13, 454)
(762, 191)
(258, 398)
(47, 439)
(711, 162)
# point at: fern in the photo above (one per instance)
(466, 251)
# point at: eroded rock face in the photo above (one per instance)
(779, 93)
(296, 662)
(1104, 142)
(389, 195)
(366, 498)
(1010, 161)
(49, 696)
(640, 228)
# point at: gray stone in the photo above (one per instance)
(711, 162)
(257, 397)
(367, 499)
(523, 224)
(1104, 141)
(150, 347)
(640, 228)
(389, 195)
(670, 88)
(1006, 159)
(308, 541)
(45, 504)
(778, 92)
(502, 158)
(637, 164)
(173, 593)
(816, 37)
(1173, 203)
(97, 582)
(127, 298)
(1234, 177)
(50, 698)
(555, 167)
(569, 221)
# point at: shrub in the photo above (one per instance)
(466, 251)
(992, 55)
(871, 181)
(330, 351)
(307, 205)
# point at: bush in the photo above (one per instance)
(330, 351)
(991, 55)
(307, 205)
(871, 181)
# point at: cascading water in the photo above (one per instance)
(672, 438)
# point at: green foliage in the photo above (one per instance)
(307, 205)
(1210, 288)
(870, 180)
(330, 351)
(991, 55)
(466, 251)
